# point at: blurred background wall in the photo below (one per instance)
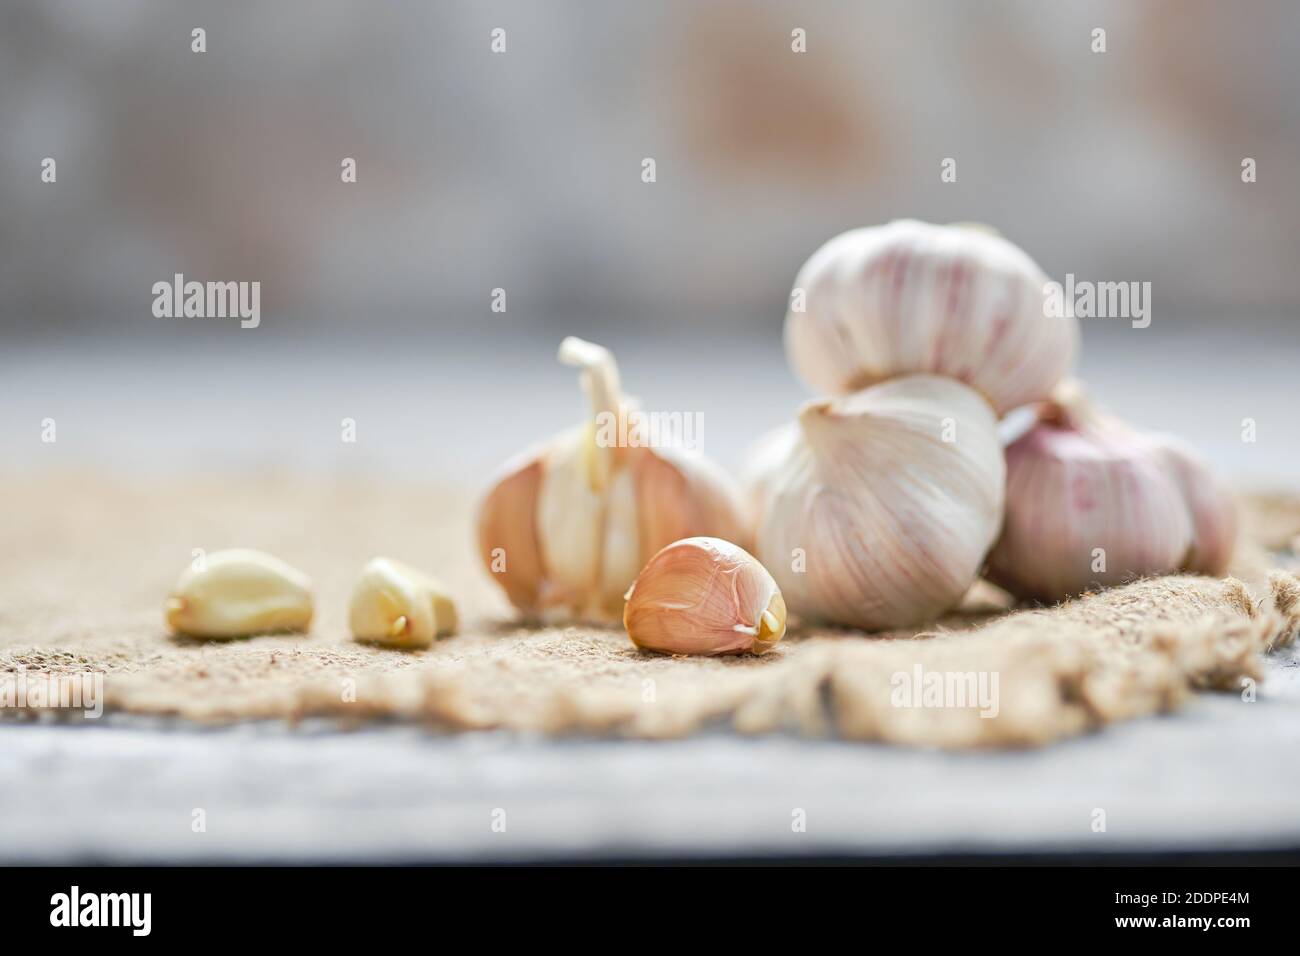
(523, 170)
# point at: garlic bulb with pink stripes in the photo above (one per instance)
(961, 301)
(1092, 502)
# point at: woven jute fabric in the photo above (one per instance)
(88, 559)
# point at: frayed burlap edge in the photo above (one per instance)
(89, 558)
(1107, 657)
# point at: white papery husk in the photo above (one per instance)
(876, 519)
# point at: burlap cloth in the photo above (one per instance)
(86, 562)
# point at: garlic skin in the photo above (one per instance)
(1092, 502)
(237, 593)
(910, 296)
(400, 606)
(763, 463)
(704, 596)
(885, 508)
(565, 528)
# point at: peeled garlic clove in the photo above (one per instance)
(239, 592)
(567, 528)
(1087, 505)
(570, 523)
(1210, 506)
(876, 303)
(882, 513)
(704, 596)
(396, 604)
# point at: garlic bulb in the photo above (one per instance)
(961, 301)
(763, 463)
(566, 528)
(1092, 502)
(885, 508)
(704, 596)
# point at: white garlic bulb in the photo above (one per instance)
(959, 300)
(566, 528)
(763, 463)
(882, 513)
(1092, 502)
(704, 596)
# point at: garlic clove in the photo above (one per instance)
(704, 596)
(1211, 506)
(886, 506)
(620, 551)
(912, 297)
(396, 604)
(237, 593)
(678, 494)
(570, 519)
(507, 532)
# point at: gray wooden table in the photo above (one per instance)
(1223, 775)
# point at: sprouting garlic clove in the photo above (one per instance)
(401, 606)
(1088, 505)
(237, 593)
(704, 596)
(884, 510)
(905, 297)
(568, 526)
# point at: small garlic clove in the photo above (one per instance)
(401, 606)
(704, 596)
(237, 593)
(570, 519)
